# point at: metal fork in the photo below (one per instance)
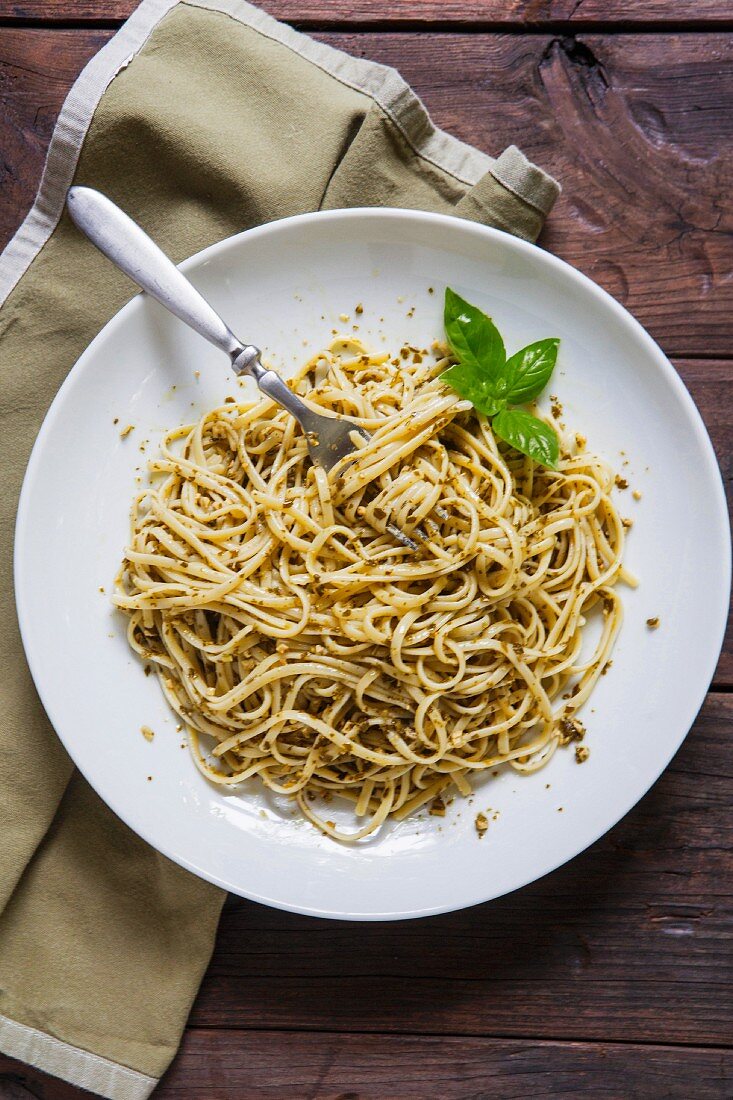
(329, 439)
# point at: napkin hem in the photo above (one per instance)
(79, 1067)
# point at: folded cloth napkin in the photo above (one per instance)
(201, 119)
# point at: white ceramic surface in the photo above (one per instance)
(283, 286)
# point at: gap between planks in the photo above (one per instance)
(499, 1036)
(560, 27)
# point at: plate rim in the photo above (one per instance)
(713, 480)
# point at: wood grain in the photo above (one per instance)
(484, 14)
(379, 1067)
(37, 68)
(636, 127)
(262, 1065)
(628, 942)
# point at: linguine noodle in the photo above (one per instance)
(298, 641)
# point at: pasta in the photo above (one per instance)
(299, 642)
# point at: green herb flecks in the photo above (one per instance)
(493, 383)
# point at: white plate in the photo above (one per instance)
(283, 286)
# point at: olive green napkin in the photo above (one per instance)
(201, 119)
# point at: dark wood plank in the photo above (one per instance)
(628, 942)
(37, 68)
(19, 1081)
(637, 127)
(215, 1066)
(476, 13)
(262, 1065)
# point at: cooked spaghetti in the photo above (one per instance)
(299, 642)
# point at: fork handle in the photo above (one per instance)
(129, 247)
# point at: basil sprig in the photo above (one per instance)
(493, 383)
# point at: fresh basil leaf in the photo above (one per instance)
(530, 370)
(503, 381)
(473, 337)
(475, 387)
(529, 435)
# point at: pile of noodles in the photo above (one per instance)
(299, 642)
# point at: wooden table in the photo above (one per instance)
(613, 976)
